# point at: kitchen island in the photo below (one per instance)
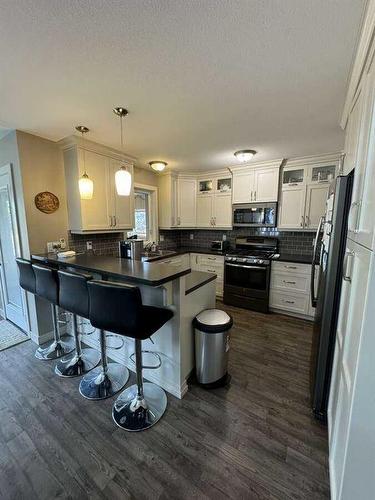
(178, 288)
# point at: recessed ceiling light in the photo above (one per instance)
(158, 165)
(245, 155)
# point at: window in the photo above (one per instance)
(142, 214)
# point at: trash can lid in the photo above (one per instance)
(213, 321)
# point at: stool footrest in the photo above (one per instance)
(148, 367)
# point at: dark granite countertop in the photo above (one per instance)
(129, 270)
(182, 250)
(299, 259)
(196, 279)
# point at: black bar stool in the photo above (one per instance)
(118, 308)
(109, 378)
(47, 287)
(74, 297)
(26, 275)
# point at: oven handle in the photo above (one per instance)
(247, 267)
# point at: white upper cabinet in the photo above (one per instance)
(167, 201)
(304, 190)
(106, 211)
(214, 202)
(243, 186)
(123, 206)
(361, 217)
(187, 191)
(205, 209)
(256, 183)
(266, 184)
(292, 208)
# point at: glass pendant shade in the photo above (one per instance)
(86, 187)
(123, 181)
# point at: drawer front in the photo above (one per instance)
(210, 259)
(290, 282)
(297, 303)
(213, 268)
(291, 267)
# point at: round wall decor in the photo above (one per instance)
(47, 202)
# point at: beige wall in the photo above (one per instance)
(42, 169)
(143, 176)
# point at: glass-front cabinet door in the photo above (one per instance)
(224, 185)
(205, 186)
(323, 173)
(294, 177)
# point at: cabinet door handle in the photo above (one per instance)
(346, 274)
(115, 221)
(251, 196)
(211, 258)
(214, 221)
(178, 221)
(255, 196)
(290, 267)
(292, 183)
(307, 221)
(211, 271)
(289, 301)
(302, 220)
(110, 221)
(289, 282)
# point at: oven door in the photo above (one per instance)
(255, 215)
(253, 280)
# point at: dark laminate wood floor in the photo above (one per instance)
(255, 439)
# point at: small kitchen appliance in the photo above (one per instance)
(220, 245)
(131, 249)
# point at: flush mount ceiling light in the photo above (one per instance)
(85, 184)
(158, 165)
(123, 178)
(245, 155)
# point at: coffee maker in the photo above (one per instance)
(131, 249)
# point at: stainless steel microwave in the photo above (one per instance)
(255, 215)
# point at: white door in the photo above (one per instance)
(97, 212)
(316, 197)
(243, 186)
(187, 194)
(292, 208)
(13, 296)
(122, 206)
(205, 210)
(223, 210)
(266, 184)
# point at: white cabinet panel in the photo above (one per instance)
(205, 206)
(96, 213)
(243, 183)
(362, 220)
(266, 184)
(187, 190)
(292, 208)
(316, 198)
(123, 206)
(223, 210)
(292, 302)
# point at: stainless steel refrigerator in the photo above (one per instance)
(329, 249)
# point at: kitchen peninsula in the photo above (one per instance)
(178, 288)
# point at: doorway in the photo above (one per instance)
(12, 298)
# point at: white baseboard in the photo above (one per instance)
(150, 375)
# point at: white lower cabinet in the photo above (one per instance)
(210, 264)
(290, 289)
(179, 260)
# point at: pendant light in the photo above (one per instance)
(86, 186)
(123, 178)
(158, 165)
(245, 155)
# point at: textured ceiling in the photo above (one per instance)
(201, 78)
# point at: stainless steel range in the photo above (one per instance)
(247, 272)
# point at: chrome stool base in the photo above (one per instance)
(75, 365)
(55, 349)
(99, 384)
(134, 413)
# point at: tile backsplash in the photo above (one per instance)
(102, 244)
(290, 242)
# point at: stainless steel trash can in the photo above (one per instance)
(212, 329)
